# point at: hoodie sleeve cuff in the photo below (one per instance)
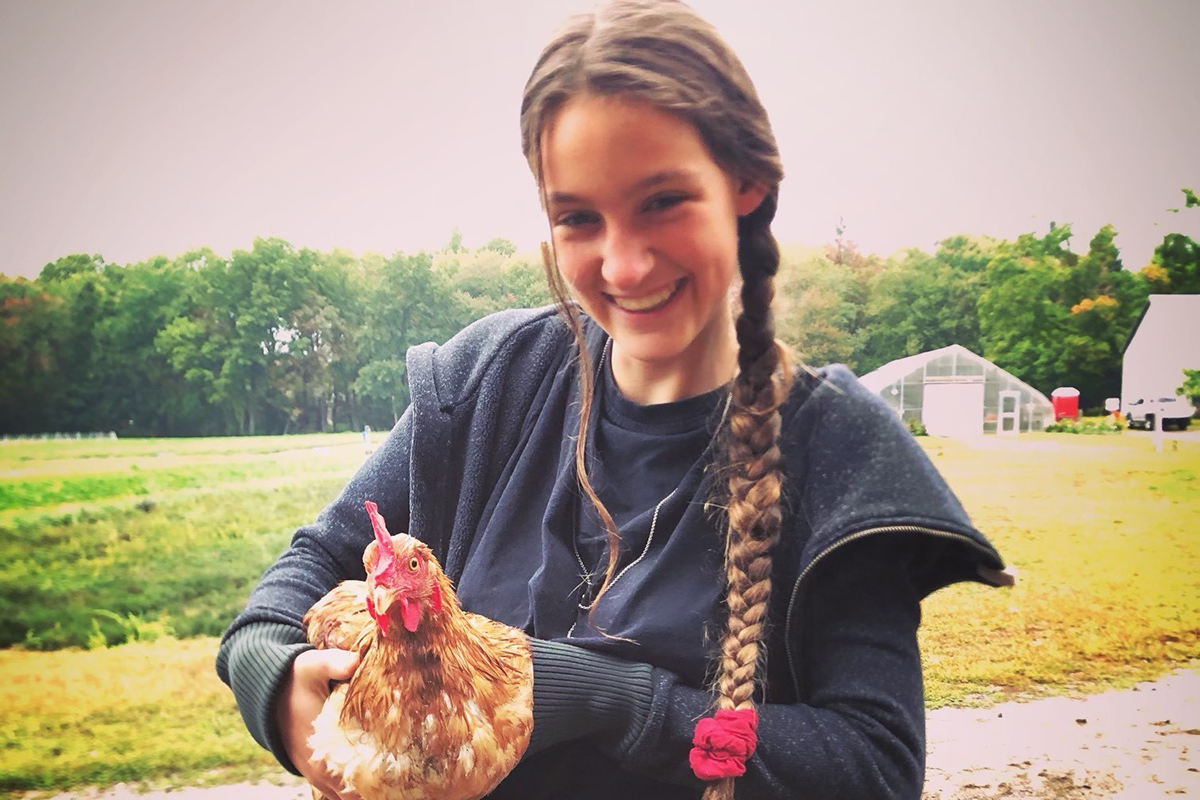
(255, 662)
(577, 692)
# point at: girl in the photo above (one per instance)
(637, 480)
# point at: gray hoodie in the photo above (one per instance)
(871, 528)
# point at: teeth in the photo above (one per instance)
(647, 302)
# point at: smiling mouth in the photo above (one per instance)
(650, 302)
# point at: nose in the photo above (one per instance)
(627, 258)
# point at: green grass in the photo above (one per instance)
(157, 711)
(1102, 532)
(147, 541)
(1100, 529)
(51, 491)
(44, 452)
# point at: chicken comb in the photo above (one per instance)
(386, 565)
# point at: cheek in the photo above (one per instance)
(708, 247)
(573, 260)
(403, 584)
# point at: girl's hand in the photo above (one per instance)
(298, 705)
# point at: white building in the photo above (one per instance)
(1164, 341)
(954, 392)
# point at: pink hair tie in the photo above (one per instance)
(723, 743)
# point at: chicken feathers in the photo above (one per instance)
(441, 705)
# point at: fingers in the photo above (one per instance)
(326, 782)
(330, 792)
(300, 701)
(316, 668)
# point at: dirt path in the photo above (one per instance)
(1126, 745)
(1120, 745)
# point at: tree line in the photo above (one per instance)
(1032, 306)
(277, 339)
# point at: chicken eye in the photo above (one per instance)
(413, 564)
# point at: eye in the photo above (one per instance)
(413, 564)
(576, 219)
(664, 202)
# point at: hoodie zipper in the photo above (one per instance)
(846, 540)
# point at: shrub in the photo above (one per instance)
(133, 628)
(916, 428)
(1103, 425)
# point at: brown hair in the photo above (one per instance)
(664, 54)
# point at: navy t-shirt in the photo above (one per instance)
(527, 562)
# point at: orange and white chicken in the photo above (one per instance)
(441, 704)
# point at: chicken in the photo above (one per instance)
(441, 704)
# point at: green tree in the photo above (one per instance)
(1107, 301)
(821, 303)
(1053, 318)
(1190, 388)
(411, 302)
(341, 280)
(919, 302)
(141, 393)
(230, 346)
(81, 283)
(1175, 266)
(489, 280)
(502, 246)
(969, 254)
(385, 380)
(33, 329)
(304, 382)
(1024, 324)
(72, 266)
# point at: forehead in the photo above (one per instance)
(406, 545)
(400, 545)
(594, 144)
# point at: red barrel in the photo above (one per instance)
(1065, 400)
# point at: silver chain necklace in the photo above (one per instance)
(584, 572)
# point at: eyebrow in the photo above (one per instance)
(649, 182)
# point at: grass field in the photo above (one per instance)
(123, 546)
(105, 542)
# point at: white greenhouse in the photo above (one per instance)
(953, 392)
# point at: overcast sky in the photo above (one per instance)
(137, 128)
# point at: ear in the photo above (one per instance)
(749, 197)
(436, 600)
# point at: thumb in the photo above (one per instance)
(341, 664)
(322, 666)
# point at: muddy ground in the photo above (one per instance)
(1131, 744)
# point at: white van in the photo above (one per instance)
(1175, 412)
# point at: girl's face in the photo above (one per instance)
(645, 233)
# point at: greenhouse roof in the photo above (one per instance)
(889, 373)
(893, 371)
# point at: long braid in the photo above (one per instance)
(754, 479)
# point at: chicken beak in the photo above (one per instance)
(379, 601)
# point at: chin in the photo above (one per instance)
(649, 352)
